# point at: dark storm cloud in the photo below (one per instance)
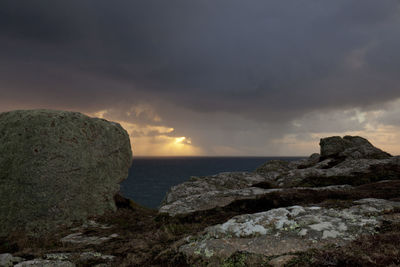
(267, 60)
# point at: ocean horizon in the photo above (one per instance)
(150, 177)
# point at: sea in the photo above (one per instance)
(150, 178)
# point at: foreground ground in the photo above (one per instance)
(337, 208)
(142, 237)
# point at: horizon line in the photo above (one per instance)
(214, 156)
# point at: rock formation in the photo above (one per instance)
(354, 147)
(289, 230)
(349, 161)
(281, 207)
(337, 208)
(57, 167)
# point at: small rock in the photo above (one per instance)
(303, 232)
(330, 234)
(281, 261)
(79, 238)
(95, 255)
(8, 259)
(58, 256)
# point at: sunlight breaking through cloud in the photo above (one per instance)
(154, 140)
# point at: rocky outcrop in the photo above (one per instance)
(289, 230)
(57, 167)
(330, 172)
(253, 199)
(337, 208)
(343, 161)
(219, 182)
(351, 147)
(269, 216)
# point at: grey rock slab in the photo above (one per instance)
(288, 230)
(96, 255)
(80, 238)
(7, 259)
(213, 199)
(45, 263)
(59, 256)
(352, 171)
(91, 224)
(84, 256)
(219, 182)
(57, 167)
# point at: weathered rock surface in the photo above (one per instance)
(354, 147)
(218, 182)
(350, 171)
(212, 199)
(79, 257)
(80, 238)
(289, 230)
(58, 260)
(45, 263)
(281, 260)
(8, 260)
(350, 189)
(57, 167)
(343, 204)
(343, 161)
(253, 199)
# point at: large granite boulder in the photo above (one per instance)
(57, 167)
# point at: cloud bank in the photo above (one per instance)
(232, 77)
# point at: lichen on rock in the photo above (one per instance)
(291, 229)
(57, 167)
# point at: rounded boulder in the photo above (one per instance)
(57, 167)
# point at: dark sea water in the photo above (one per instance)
(151, 177)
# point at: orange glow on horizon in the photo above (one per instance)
(154, 140)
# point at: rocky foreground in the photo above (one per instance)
(337, 208)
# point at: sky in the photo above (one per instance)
(210, 77)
